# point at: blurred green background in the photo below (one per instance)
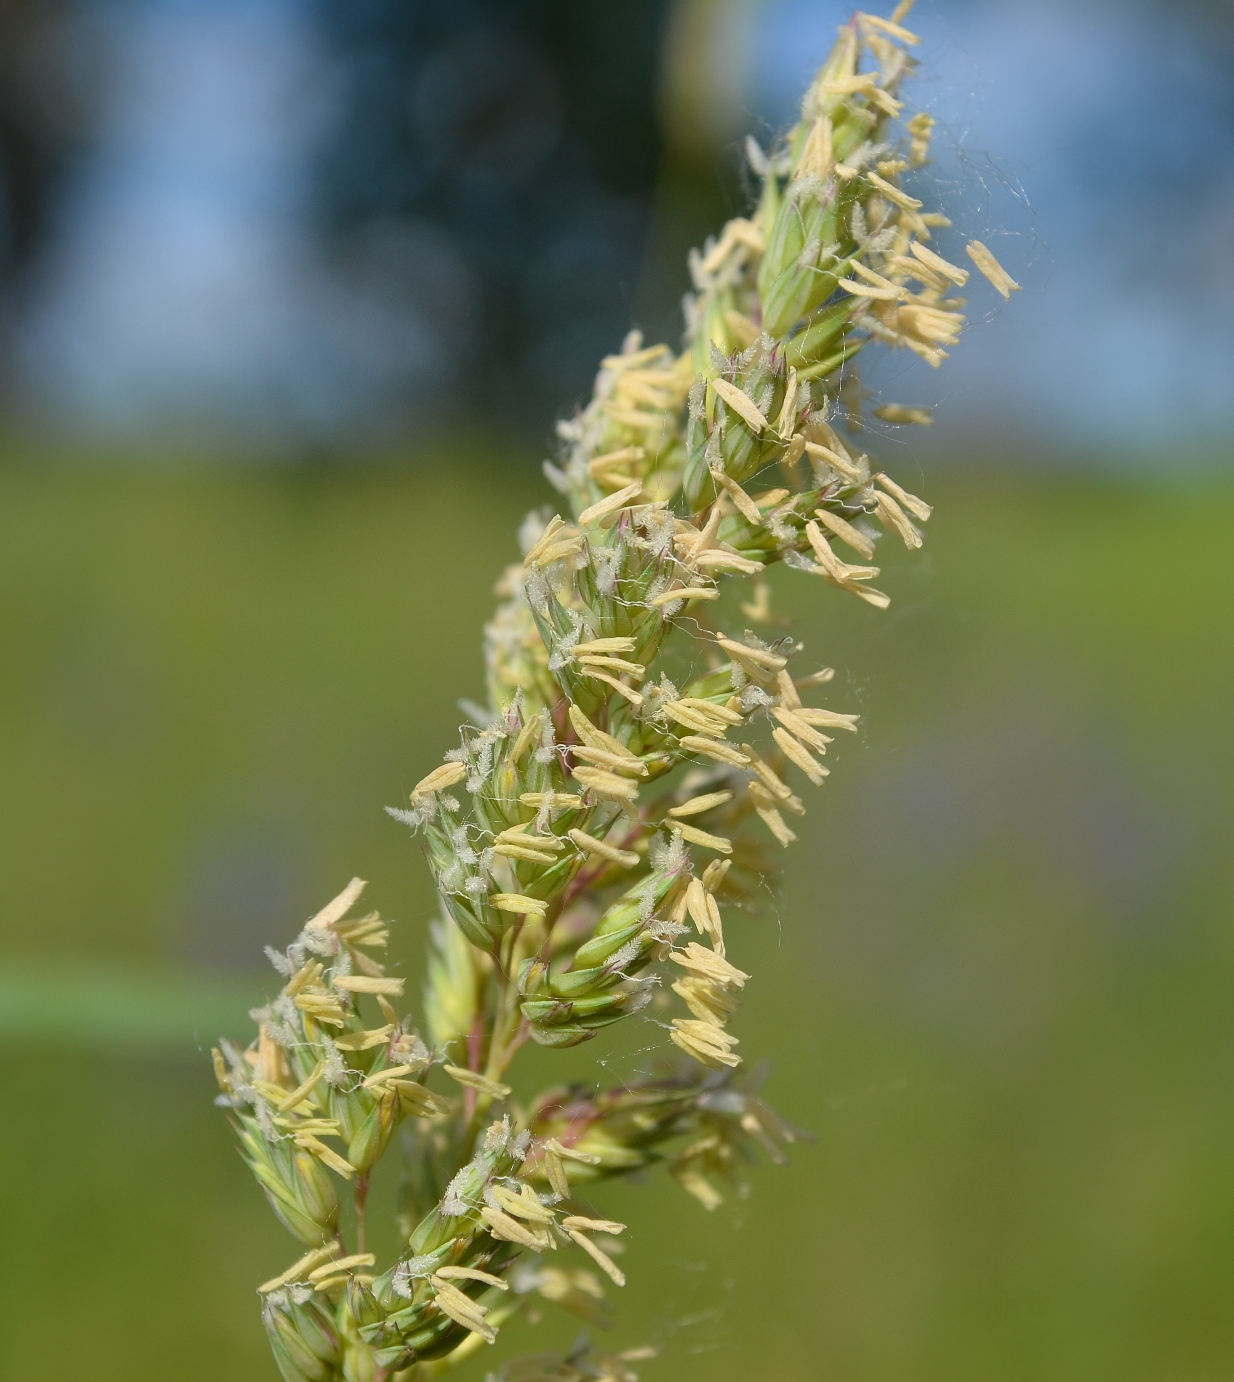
(996, 989)
(290, 294)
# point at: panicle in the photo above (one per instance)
(607, 816)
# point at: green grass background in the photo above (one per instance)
(997, 988)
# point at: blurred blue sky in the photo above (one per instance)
(1090, 144)
(185, 282)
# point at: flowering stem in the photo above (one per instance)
(612, 819)
(362, 1182)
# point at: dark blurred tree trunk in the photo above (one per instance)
(523, 131)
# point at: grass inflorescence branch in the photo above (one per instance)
(642, 752)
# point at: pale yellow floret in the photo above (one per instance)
(893, 193)
(687, 592)
(574, 1227)
(556, 1174)
(718, 560)
(440, 778)
(567, 547)
(894, 517)
(527, 736)
(992, 269)
(392, 1072)
(322, 1007)
(463, 1310)
(715, 873)
(789, 695)
(801, 756)
(917, 507)
(298, 1271)
(634, 697)
(302, 1091)
(739, 233)
(634, 359)
(874, 279)
(723, 713)
(888, 103)
(419, 1101)
(364, 1041)
(770, 779)
(331, 1283)
(828, 719)
(338, 908)
(516, 835)
(605, 645)
(696, 905)
(888, 26)
(709, 965)
(471, 1274)
(602, 740)
(554, 526)
(940, 265)
(848, 86)
(572, 1153)
(519, 904)
(759, 656)
(915, 268)
(904, 413)
(692, 718)
(606, 784)
(319, 1127)
(714, 748)
(706, 1043)
(612, 664)
(697, 805)
(845, 531)
(590, 845)
(749, 509)
(324, 1154)
(481, 1083)
(693, 1182)
(577, 1221)
(740, 403)
(866, 290)
(627, 455)
(624, 496)
(530, 856)
(838, 463)
(307, 976)
(691, 541)
(583, 727)
(765, 806)
(343, 1264)
(505, 1226)
(606, 758)
(392, 987)
(801, 728)
(708, 1001)
(920, 128)
(560, 800)
(523, 1205)
(788, 409)
(817, 154)
(701, 837)
(840, 572)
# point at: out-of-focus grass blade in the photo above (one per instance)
(122, 1009)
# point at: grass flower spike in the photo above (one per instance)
(643, 756)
